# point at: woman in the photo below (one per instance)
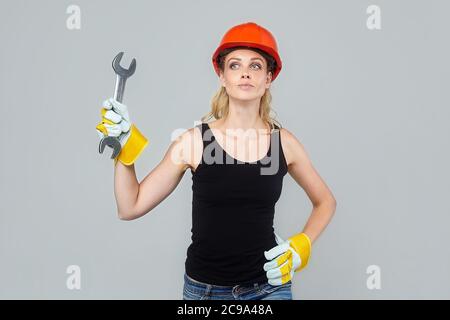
(234, 253)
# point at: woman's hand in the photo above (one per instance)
(286, 258)
(116, 123)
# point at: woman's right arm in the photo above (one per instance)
(135, 199)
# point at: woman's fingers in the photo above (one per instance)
(115, 119)
(113, 130)
(281, 280)
(119, 108)
(107, 104)
(111, 115)
(277, 261)
(276, 251)
(125, 125)
(282, 270)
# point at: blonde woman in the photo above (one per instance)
(238, 162)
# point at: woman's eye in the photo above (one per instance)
(255, 64)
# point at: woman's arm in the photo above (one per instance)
(303, 172)
(136, 199)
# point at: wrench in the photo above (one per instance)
(121, 78)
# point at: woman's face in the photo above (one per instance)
(244, 66)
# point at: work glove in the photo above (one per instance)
(286, 258)
(116, 123)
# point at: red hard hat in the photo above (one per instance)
(250, 35)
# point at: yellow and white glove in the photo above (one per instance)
(116, 123)
(286, 258)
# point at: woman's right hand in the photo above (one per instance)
(116, 123)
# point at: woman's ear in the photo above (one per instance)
(222, 79)
(268, 79)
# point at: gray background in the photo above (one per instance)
(369, 106)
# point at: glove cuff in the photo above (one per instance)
(134, 146)
(302, 245)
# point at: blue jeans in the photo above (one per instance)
(196, 290)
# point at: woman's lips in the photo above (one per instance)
(246, 87)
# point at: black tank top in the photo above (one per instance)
(233, 208)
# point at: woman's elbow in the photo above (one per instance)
(126, 216)
(333, 206)
(131, 215)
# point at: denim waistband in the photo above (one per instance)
(250, 284)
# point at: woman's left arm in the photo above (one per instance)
(304, 173)
(293, 255)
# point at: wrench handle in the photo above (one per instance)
(119, 88)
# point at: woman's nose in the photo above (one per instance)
(245, 73)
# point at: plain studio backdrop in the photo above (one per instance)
(371, 107)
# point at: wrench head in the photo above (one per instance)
(125, 73)
(112, 142)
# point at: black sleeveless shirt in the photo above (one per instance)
(233, 208)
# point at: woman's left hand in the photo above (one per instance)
(286, 258)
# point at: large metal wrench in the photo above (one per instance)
(121, 78)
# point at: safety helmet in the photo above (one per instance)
(250, 35)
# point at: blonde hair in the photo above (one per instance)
(220, 100)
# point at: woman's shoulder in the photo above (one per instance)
(288, 144)
(191, 144)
